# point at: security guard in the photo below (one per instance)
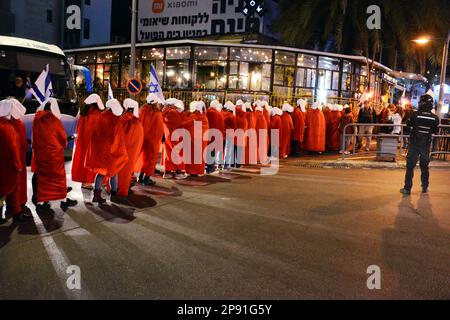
(423, 125)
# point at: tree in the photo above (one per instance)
(340, 26)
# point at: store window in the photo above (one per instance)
(250, 69)
(86, 58)
(177, 73)
(148, 57)
(210, 68)
(285, 58)
(108, 56)
(210, 53)
(306, 71)
(328, 81)
(347, 71)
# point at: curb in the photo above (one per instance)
(345, 164)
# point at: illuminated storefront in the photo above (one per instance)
(221, 68)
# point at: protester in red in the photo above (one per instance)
(241, 128)
(275, 131)
(87, 121)
(251, 139)
(216, 122)
(315, 130)
(298, 118)
(11, 166)
(153, 124)
(107, 153)
(333, 136)
(230, 126)
(345, 120)
(134, 137)
(261, 128)
(49, 141)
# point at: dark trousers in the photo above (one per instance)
(294, 148)
(419, 149)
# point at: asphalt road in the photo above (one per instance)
(301, 234)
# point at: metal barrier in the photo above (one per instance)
(440, 143)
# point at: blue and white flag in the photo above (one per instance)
(154, 86)
(110, 92)
(42, 89)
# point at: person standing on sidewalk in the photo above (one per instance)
(423, 125)
(367, 115)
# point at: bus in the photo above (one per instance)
(21, 62)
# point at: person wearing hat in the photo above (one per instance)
(216, 122)
(134, 137)
(19, 198)
(49, 139)
(107, 153)
(242, 126)
(197, 125)
(88, 119)
(275, 131)
(287, 126)
(152, 121)
(251, 155)
(298, 119)
(11, 165)
(315, 129)
(345, 120)
(229, 117)
(173, 120)
(423, 124)
(333, 136)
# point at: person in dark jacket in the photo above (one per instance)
(367, 115)
(345, 120)
(423, 125)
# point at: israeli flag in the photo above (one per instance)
(110, 92)
(42, 89)
(154, 86)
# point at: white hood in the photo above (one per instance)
(287, 108)
(95, 98)
(230, 106)
(115, 107)
(248, 106)
(153, 99)
(18, 110)
(54, 107)
(179, 105)
(302, 104)
(316, 105)
(6, 107)
(276, 112)
(239, 103)
(200, 106)
(215, 104)
(131, 104)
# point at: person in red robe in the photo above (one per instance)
(261, 128)
(315, 129)
(216, 122)
(197, 125)
(87, 121)
(242, 125)
(49, 140)
(333, 136)
(173, 120)
(134, 137)
(298, 118)
(107, 153)
(11, 166)
(275, 130)
(287, 126)
(152, 121)
(251, 139)
(229, 117)
(19, 198)
(345, 120)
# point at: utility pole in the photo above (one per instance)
(133, 39)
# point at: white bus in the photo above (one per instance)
(21, 62)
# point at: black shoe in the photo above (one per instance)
(115, 198)
(425, 190)
(20, 218)
(141, 178)
(43, 207)
(68, 203)
(148, 181)
(69, 189)
(98, 197)
(405, 191)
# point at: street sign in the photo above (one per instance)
(134, 86)
(254, 6)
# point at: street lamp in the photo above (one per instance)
(426, 40)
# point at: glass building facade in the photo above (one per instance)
(241, 70)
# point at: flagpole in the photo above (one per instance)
(133, 39)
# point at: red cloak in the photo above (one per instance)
(287, 126)
(241, 123)
(315, 131)
(49, 142)
(251, 125)
(333, 136)
(230, 122)
(173, 120)
(261, 133)
(19, 196)
(85, 128)
(134, 137)
(107, 152)
(275, 124)
(216, 120)
(298, 118)
(152, 121)
(11, 165)
(197, 125)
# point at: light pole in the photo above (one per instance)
(133, 39)
(426, 40)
